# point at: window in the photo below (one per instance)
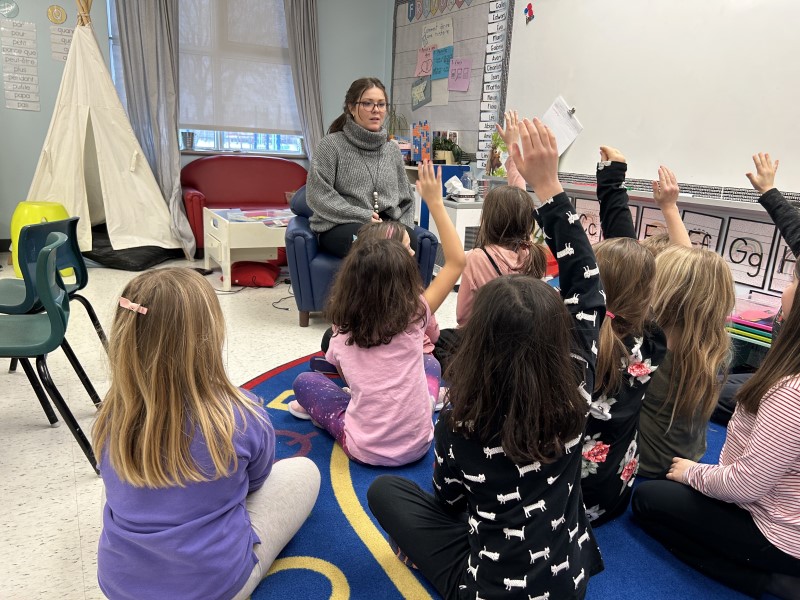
(236, 87)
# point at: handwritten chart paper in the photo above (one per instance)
(441, 62)
(424, 61)
(652, 223)
(460, 73)
(783, 268)
(437, 33)
(747, 250)
(703, 229)
(589, 212)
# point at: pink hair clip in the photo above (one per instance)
(138, 308)
(610, 315)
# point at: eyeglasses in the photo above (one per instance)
(370, 105)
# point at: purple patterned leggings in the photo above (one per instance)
(326, 402)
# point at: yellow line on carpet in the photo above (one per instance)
(342, 484)
(277, 403)
(340, 589)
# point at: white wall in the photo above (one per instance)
(355, 41)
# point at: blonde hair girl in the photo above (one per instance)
(693, 295)
(184, 453)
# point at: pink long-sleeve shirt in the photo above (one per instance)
(759, 468)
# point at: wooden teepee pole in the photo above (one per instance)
(84, 8)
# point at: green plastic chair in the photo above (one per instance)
(30, 336)
(19, 296)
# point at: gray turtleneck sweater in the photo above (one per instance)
(348, 166)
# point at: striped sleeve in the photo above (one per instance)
(770, 451)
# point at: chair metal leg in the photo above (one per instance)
(37, 388)
(93, 317)
(13, 366)
(304, 314)
(76, 365)
(64, 411)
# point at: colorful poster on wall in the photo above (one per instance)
(420, 93)
(441, 62)
(424, 61)
(460, 74)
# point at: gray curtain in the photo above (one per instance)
(148, 33)
(303, 37)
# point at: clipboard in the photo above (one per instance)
(561, 120)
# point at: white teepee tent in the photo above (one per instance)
(91, 161)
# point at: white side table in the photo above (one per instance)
(463, 215)
(229, 241)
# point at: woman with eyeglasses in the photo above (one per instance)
(356, 175)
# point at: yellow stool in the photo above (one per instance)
(29, 212)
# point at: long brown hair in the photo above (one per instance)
(693, 294)
(167, 379)
(507, 221)
(512, 372)
(353, 95)
(627, 270)
(376, 294)
(782, 359)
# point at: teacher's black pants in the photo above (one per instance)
(337, 240)
(435, 540)
(717, 538)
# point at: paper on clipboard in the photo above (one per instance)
(565, 126)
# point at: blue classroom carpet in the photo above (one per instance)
(340, 552)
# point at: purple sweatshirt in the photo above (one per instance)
(185, 542)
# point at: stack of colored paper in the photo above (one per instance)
(751, 321)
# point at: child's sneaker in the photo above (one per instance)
(401, 556)
(298, 411)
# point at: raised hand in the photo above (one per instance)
(510, 135)
(429, 184)
(536, 158)
(665, 190)
(764, 178)
(608, 153)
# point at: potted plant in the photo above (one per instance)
(396, 123)
(446, 151)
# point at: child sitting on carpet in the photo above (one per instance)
(379, 312)
(506, 518)
(504, 244)
(382, 230)
(195, 505)
(693, 295)
(631, 345)
(739, 521)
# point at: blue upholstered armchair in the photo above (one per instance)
(312, 270)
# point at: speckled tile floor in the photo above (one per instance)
(49, 495)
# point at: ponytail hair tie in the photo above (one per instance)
(610, 315)
(525, 244)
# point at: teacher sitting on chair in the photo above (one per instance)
(356, 174)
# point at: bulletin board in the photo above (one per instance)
(458, 85)
(697, 86)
